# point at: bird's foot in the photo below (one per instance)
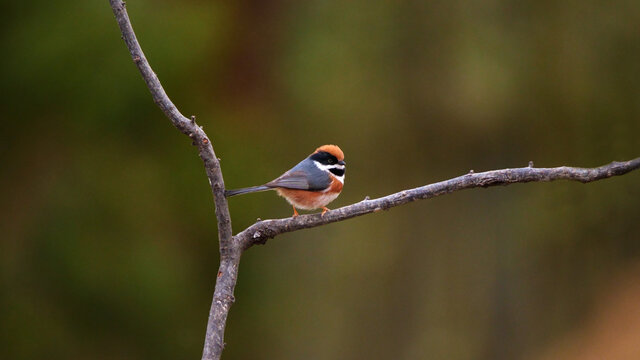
(324, 210)
(295, 212)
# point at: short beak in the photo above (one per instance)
(341, 162)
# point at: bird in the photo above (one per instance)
(311, 184)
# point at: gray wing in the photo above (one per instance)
(304, 176)
(291, 180)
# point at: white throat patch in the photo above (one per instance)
(328, 167)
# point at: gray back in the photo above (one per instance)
(304, 176)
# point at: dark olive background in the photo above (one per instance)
(108, 235)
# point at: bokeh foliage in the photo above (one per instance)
(108, 247)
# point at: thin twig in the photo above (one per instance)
(229, 250)
(231, 247)
(261, 231)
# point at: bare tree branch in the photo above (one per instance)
(229, 250)
(186, 126)
(231, 247)
(261, 231)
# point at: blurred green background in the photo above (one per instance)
(108, 238)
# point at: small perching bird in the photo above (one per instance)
(312, 184)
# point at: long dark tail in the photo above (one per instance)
(229, 193)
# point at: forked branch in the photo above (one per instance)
(231, 247)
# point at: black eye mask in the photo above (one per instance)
(337, 172)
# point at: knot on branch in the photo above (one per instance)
(259, 237)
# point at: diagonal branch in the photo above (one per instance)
(261, 231)
(229, 250)
(186, 126)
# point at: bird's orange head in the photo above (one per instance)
(333, 150)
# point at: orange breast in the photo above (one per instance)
(309, 200)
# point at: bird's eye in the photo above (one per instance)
(330, 161)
